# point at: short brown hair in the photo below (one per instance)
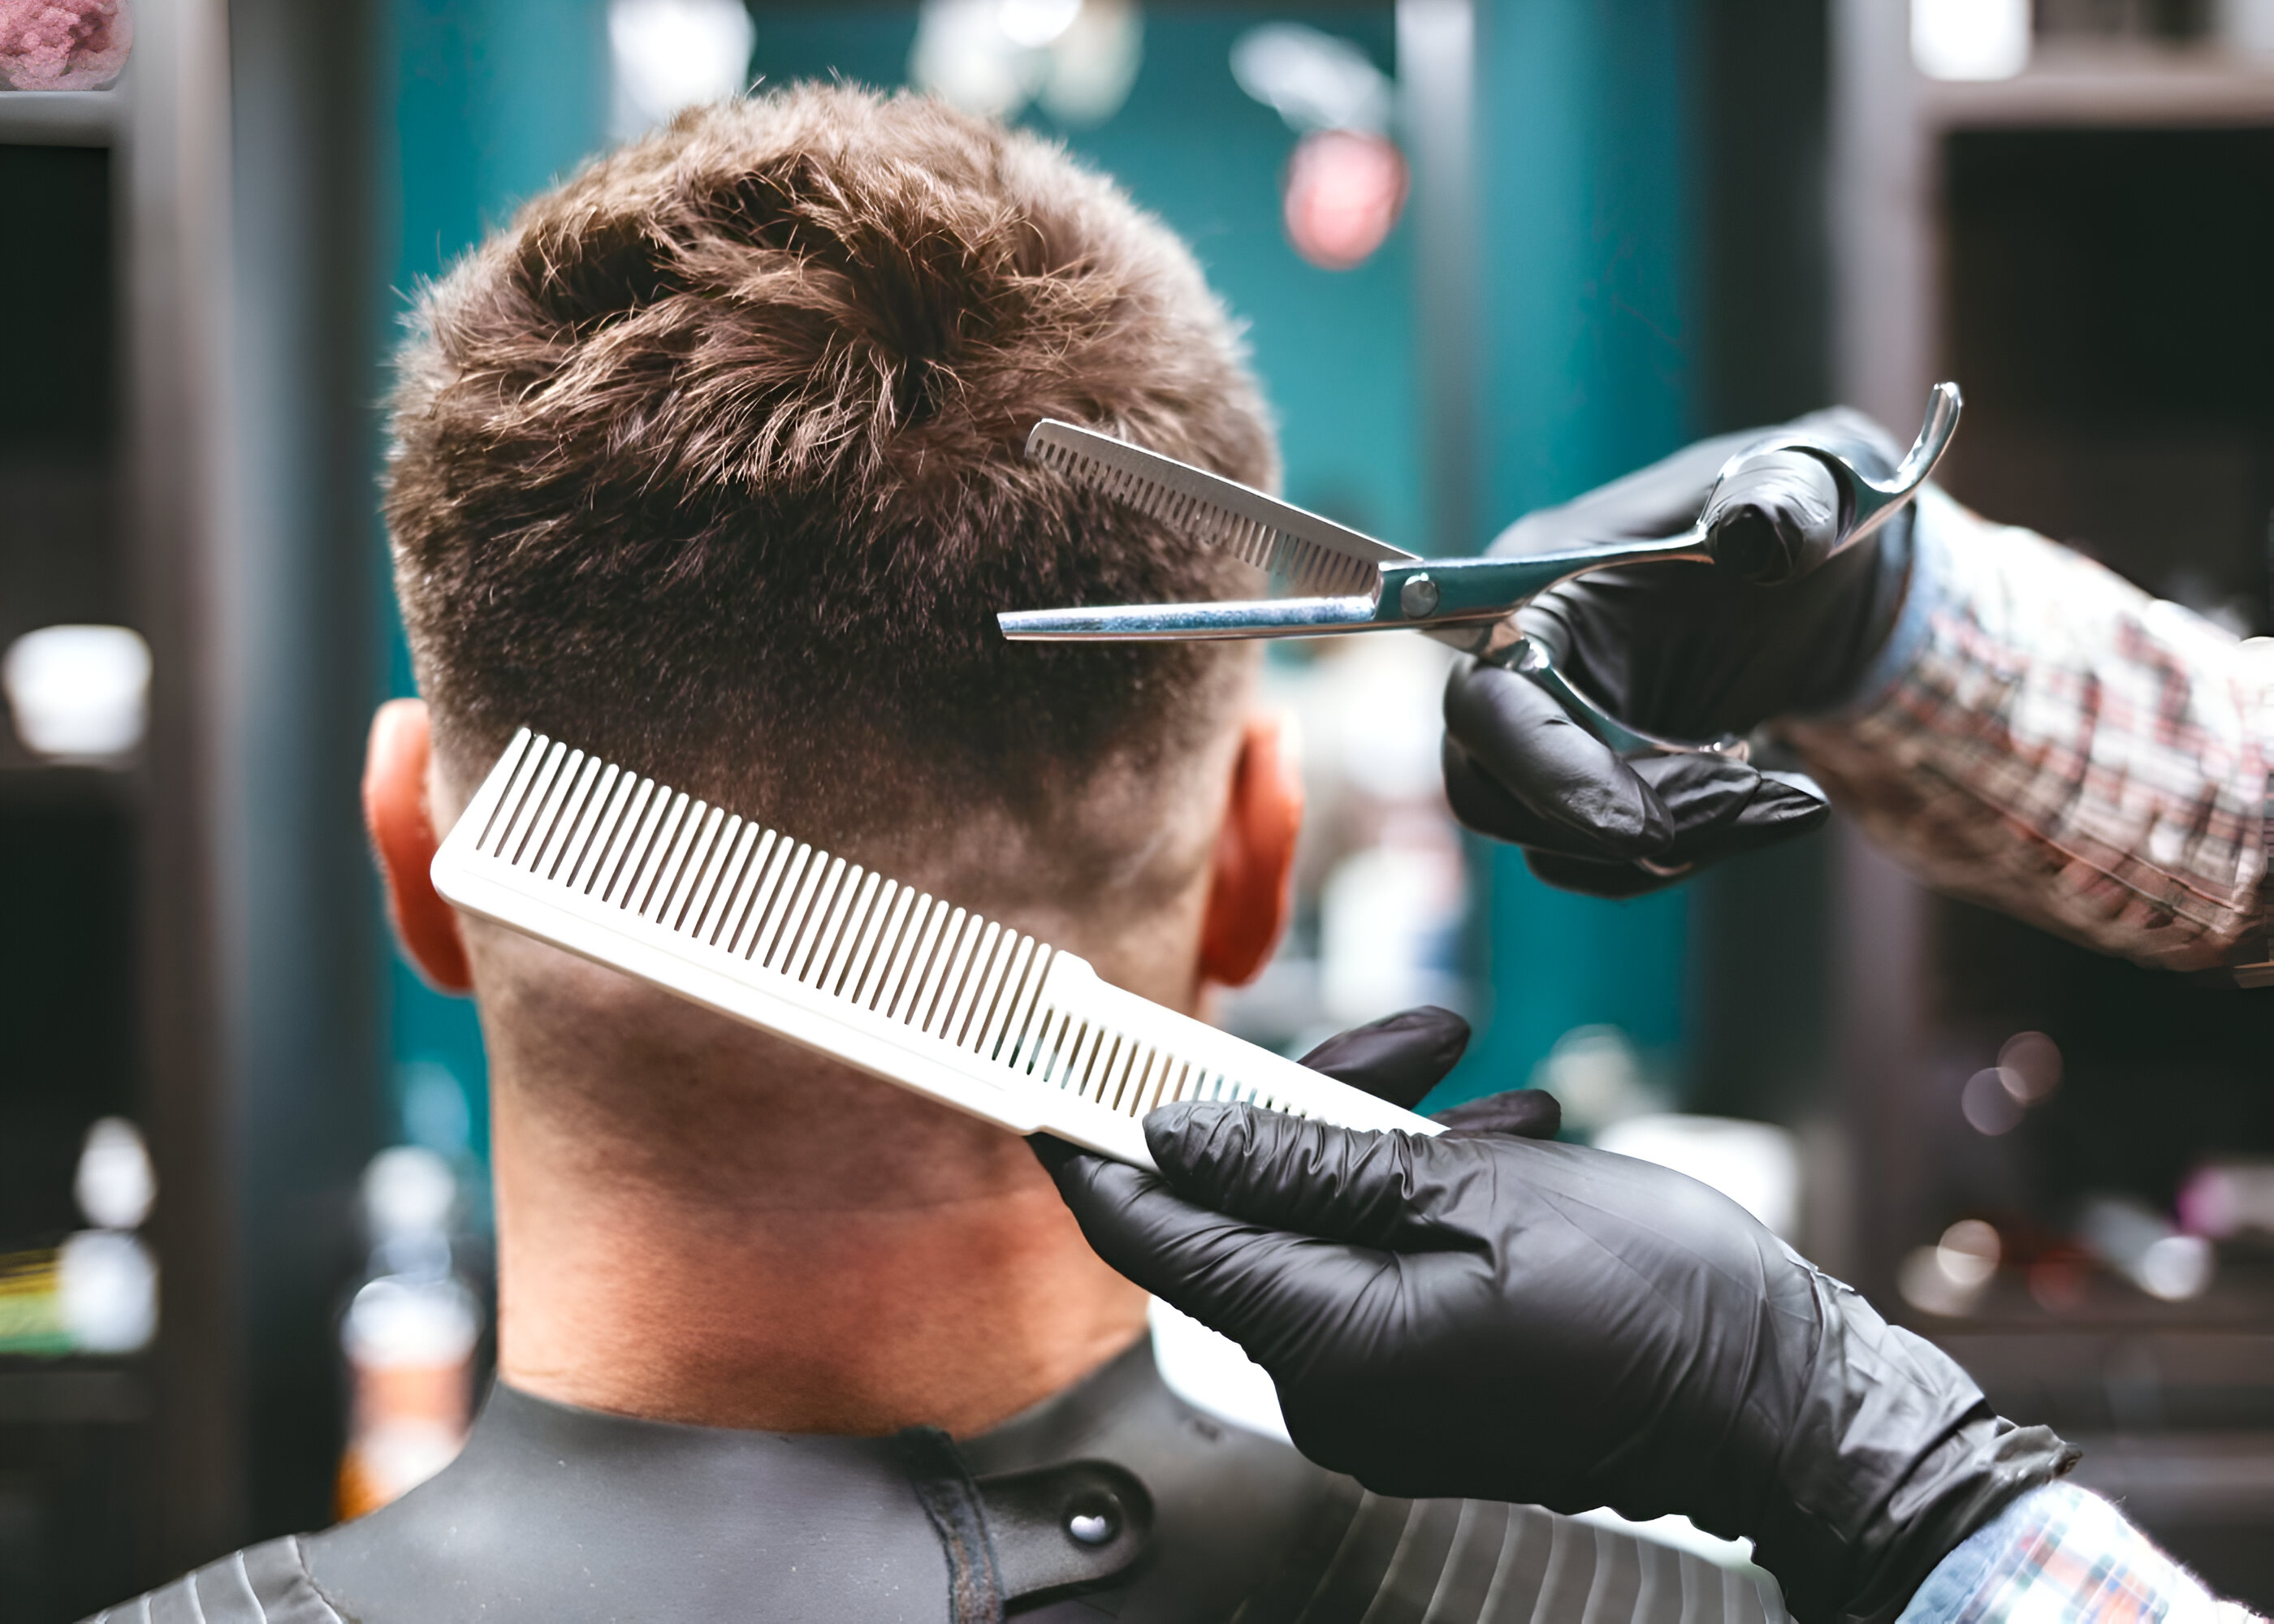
(711, 463)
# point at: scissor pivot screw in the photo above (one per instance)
(1416, 599)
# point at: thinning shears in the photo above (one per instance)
(1329, 580)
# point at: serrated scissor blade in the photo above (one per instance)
(1305, 554)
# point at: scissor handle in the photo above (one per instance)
(1866, 501)
(1526, 657)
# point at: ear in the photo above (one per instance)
(1247, 904)
(396, 811)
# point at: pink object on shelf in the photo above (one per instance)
(63, 44)
(1342, 192)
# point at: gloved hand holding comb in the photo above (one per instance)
(1481, 1314)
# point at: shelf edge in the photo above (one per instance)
(60, 117)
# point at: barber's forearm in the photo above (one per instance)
(2045, 737)
(2060, 1552)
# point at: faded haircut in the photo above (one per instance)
(711, 463)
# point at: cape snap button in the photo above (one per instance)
(1092, 1520)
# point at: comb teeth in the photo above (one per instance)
(1178, 495)
(575, 851)
(727, 886)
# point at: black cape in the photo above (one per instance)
(1112, 1501)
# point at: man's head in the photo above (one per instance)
(711, 463)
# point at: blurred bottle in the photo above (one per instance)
(2248, 26)
(409, 1334)
(2228, 1197)
(2145, 1247)
(97, 1293)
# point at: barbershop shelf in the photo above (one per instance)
(2183, 1473)
(60, 117)
(2111, 1358)
(2177, 1426)
(72, 1393)
(2108, 1379)
(2140, 85)
(48, 788)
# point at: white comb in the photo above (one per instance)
(1313, 557)
(909, 987)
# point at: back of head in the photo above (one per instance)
(711, 463)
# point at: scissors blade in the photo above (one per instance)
(1435, 595)
(1268, 617)
(1311, 556)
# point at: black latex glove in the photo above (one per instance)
(1689, 650)
(1401, 1057)
(1494, 1318)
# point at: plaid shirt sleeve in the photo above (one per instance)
(2042, 736)
(2060, 1555)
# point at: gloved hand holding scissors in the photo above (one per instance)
(1691, 650)
(1620, 643)
(1485, 1315)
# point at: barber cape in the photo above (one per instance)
(1114, 1501)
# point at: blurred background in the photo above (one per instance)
(1490, 253)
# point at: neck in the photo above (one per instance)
(797, 1249)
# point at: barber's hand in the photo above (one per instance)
(1486, 1316)
(1686, 650)
(1401, 1057)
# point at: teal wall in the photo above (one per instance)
(489, 100)
(1585, 337)
(1587, 233)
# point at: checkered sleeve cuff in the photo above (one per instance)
(2045, 737)
(2059, 1555)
